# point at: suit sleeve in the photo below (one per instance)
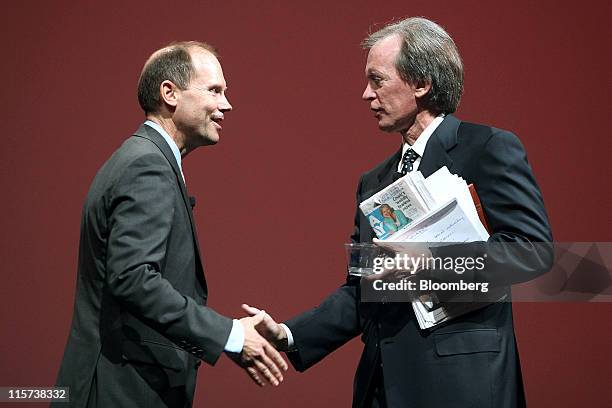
(520, 246)
(141, 212)
(325, 328)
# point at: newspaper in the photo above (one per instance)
(395, 207)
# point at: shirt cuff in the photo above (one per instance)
(290, 342)
(235, 341)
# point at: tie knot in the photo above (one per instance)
(408, 160)
(410, 156)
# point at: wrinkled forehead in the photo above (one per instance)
(383, 53)
(206, 67)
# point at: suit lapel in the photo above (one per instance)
(435, 156)
(152, 135)
(441, 141)
(389, 168)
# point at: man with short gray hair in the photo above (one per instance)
(414, 84)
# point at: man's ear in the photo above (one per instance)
(422, 89)
(169, 93)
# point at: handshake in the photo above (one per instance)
(259, 355)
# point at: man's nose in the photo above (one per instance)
(368, 93)
(224, 105)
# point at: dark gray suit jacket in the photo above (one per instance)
(140, 325)
(472, 361)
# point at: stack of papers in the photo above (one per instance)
(435, 210)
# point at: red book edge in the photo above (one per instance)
(478, 205)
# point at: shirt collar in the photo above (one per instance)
(169, 140)
(421, 142)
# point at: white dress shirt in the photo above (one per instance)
(421, 142)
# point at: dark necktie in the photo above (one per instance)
(408, 160)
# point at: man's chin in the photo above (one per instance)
(211, 138)
(210, 142)
(385, 127)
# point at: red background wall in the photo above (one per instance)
(275, 196)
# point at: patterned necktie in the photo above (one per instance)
(409, 158)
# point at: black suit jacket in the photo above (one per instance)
(140, 325)
(472, 361)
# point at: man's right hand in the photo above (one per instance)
(258, 357)
(272, 331)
